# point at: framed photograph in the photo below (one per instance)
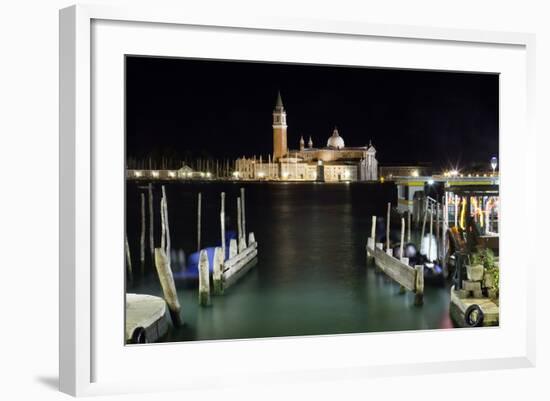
(292, 199)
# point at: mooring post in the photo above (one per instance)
(166, 279)
(401, 247)
(222, 223)
(151, 224)
(408, 226)
(419, 284)
(373, 229)
(424, 222)
(204, 279)
(388, 227)
(239, 223)
(431, 233)
(199, 222)
(128, 258)
(164, 210)
(243, 214)
(142, 236)
(217, 274)
(232, 248)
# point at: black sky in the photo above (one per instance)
(223, 109)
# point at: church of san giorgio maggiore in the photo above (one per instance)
(332, 163)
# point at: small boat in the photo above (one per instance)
(191, 269)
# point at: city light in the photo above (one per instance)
(261, 174)
(171, 174)
(155, 174)
(236, 174)
(137, 173)
(430, 181)
(415, 173)
(209, 174)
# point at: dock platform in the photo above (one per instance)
(459, 306)
(147, 318)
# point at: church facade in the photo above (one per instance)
(331, 163)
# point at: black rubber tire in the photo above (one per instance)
(139, 336)
(468, 316)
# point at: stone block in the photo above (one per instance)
(469, 285)
(477, 294)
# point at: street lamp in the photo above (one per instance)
(494, 163)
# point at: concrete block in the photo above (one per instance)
(469, 285)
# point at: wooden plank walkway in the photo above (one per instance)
(398, 270)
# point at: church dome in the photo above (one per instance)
(335, 141)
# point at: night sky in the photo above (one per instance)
(203, 108)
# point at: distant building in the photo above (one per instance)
(421, 170)
(334, 162)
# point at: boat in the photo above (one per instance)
(190, 272)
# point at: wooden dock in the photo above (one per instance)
(459, 307)
(409, 278)
(147, 318)
(240, 262)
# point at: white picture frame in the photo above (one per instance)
(84, 355)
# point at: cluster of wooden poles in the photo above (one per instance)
(161, 256)
(438, 222)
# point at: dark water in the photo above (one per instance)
(311, 276)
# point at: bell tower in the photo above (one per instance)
(279, 129)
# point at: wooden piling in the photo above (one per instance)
(222, 223)
(419, 291)
(431, 233)
(164, 210)
(204, 279)
(162, 226)
(373, 228)
(217, 274)
(166, 279)
(388, 226)
(142, 236)
(128, 258)
(199, 222)
(239, 223)
(437, 227)
(424, 222)
(151, 224)
(243, 214)
(408, 226)
(401, 247)
(232, 248)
